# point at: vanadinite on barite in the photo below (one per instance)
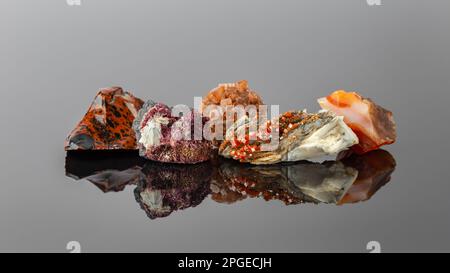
(167, 138)
(301, 136)
(107, 124)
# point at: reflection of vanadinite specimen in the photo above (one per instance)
(165, 188)
(302, 136)
(166, 138)
(291, 183)
(108, 123)
(374, 125)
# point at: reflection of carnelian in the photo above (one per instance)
(374, 125)
(374, 171)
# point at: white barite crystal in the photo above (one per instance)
(151, 133)
(330, 139)
(153, 199)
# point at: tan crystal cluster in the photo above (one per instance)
(232, 94)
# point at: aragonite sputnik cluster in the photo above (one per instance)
(232, 94)
(162, 136)
(237, 94)
(107, 123)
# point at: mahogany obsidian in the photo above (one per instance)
(107, 125)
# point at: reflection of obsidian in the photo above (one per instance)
(108, 170)
(164, 188)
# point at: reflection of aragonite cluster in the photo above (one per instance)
(164, 188)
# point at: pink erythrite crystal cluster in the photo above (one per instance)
(167, 138)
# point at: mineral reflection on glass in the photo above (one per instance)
(374, 171)
(352, 179)
(107, 123)
(167, 138)
(374, 125)
(164, 188)
(292, 183)
(302, 136)
(110, 171)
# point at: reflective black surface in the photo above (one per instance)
(162, 188)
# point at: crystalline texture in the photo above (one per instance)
(302, 136)
(162, 137)
(107, 124)
(232, 94)
(227, 95)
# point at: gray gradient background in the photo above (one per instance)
(54, 58)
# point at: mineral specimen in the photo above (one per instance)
(302, 136)
(225, 96)
(167, 138)
(232, 94)
(164, 188)
(374, 125)
(107, 124)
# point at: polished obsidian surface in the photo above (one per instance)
(54, 58)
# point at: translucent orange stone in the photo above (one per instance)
(374, 125)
